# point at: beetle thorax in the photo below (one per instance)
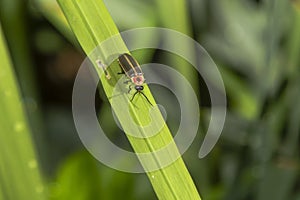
(138, 80)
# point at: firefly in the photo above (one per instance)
(131, 68)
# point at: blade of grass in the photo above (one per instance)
(51, 10)
(293, 45)
(14, 20)
(179, 22)
(20, 177)
(138, 13)
(92, 24)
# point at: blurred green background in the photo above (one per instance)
(256, 45)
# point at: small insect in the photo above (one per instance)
(102, 66)
(132, 69)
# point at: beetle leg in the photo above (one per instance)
(130, 88)
(126, 82)
(143, 95)
(133, 95)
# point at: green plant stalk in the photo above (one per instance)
(13, 16)
(179, 22)
(92, 24)
(293, 45)
(13, 20)
(20, 177)
(51, 10)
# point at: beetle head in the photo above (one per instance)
(139, 88)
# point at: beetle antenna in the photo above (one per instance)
(146, 98)
(143, 95)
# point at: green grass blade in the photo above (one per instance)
(13, 19)
(51, 10)
(20, 177)
(293, 45)
(179, 22)
(92, 24)
(169, 19)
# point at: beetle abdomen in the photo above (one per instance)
(129, 65)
